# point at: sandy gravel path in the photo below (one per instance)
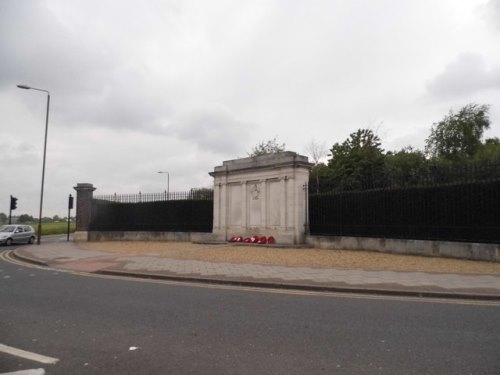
(319, 258)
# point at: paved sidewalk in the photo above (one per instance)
(68, 256)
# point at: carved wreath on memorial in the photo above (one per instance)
(254, 192)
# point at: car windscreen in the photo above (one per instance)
(7, 229)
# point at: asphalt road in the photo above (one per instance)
(96, 325)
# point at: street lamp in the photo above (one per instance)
(168, 184)
(44, 156)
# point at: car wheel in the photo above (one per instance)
(31, 241)
(8, 242)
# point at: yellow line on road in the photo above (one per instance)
(8, 257)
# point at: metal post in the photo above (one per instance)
(25, 87)
(70, 206)
(43, 170)
(69, 209)
(168, 184)
(306, 224)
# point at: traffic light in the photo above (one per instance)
(13, 203)
(70, 202)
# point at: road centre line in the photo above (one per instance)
(28, 355)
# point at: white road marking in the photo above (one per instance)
(27, 355)
(38, 371)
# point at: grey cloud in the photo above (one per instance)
(493, 12)
(213, 130)
(467, 75)
(123, 101)
(91, 80)
(17, 153)
(38, 50)
(87, 80)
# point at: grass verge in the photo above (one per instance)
(55, 228)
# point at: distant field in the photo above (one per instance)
(55, 228)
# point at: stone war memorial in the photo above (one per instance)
(262, 195)
(256, 196)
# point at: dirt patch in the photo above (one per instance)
(318, 258)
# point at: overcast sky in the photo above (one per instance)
(139, 86)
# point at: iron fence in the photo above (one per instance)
(169, 212)
(193, 194)
(452, 212)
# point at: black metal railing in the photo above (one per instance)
(452, 212)
(193, 194)
(171, 212)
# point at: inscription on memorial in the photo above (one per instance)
(255, 192)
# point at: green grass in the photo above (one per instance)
(55, 228)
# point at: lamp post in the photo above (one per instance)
(25, 87)
(168, 184)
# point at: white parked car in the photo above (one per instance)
(10, 234)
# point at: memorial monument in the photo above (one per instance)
(262, 195)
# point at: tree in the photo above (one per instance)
(269, 147)
(458, 135)
(201, 193)
(3, 218)
(489, 150)
(317, 152)
(405, 167)
(25, 218)
(321, 179)
(357, 160)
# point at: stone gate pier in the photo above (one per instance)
(84, 192)
(262, 195)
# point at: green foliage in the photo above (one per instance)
(48, 224)
(489, 150)
(405, 159)
(458, 135)
(406, 167)
(201, 193)
(24, 218)
(267, 147)
(357, 158)
(56, 228)
(320, 179)
(454, 151)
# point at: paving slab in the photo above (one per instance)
(69, 256)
